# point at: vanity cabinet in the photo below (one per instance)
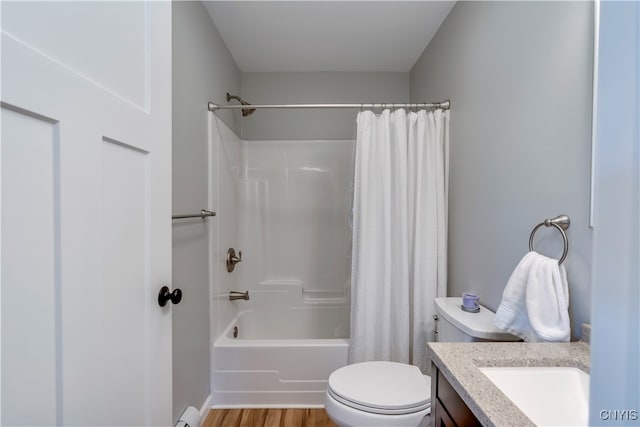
(449, 410)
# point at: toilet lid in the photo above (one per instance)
(381, 387)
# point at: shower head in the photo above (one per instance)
(245, 111)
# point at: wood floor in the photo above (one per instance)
(271, 417)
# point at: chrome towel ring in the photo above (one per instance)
(561, 222)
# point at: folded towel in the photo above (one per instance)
(535, 302)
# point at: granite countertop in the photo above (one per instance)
(459, 363)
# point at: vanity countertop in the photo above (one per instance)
(459, 363)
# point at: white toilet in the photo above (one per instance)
(396, 394)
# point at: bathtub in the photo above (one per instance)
(279, 359)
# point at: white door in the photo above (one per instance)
(86, 217)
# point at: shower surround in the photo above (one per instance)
(293, 202)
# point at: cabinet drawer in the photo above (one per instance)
(442, 418)
(453, 404)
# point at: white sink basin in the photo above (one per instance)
(554, 396)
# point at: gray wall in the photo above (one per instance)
(615, 343)
(519, 75)
(315, 88)
(203, 70)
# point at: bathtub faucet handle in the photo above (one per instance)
(234, 295)
(232, 259)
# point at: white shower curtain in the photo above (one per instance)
(399, 233)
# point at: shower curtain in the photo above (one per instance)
(399, 233)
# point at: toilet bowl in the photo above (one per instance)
(378, 394)
(397, 394)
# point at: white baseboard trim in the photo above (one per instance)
(204, 409)
(269, 406)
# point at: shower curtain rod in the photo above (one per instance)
(445, 105)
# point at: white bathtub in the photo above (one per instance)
(279, 359)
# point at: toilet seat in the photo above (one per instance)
(385, 388)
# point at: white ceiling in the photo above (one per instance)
(266, 36)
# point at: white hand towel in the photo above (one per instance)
(535, 302)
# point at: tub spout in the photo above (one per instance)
(234, 295)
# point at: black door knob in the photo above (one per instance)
(164, 296)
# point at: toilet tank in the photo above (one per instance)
(455, 325)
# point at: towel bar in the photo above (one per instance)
(561, 222)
